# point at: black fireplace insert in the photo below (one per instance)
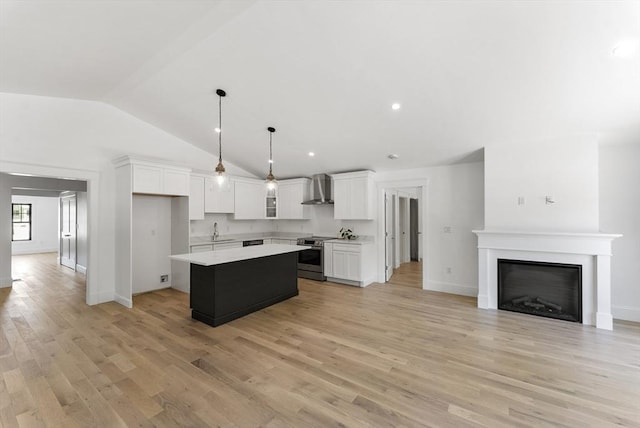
(551, 290)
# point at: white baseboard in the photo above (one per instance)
(626, 313)
(181, 289)
(453, 288)
(101, 297)
(81, 269)
(5, 282)
(26, 251)
(124, 301)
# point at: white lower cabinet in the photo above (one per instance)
(227, 245)
(283, 241)
(201, 248)
(351, 264)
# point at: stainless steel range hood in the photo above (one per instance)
(321, 191)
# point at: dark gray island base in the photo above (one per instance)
(223, 292)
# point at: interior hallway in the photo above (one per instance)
(407, 275)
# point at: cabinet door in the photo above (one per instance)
(328, 259)
(219, 199)
(353, 266)
(175, 182)
(359, 198)
(339, 261)
(286, 197)
(147, 179)
(196, 198)
(250, 200)
(341, 198)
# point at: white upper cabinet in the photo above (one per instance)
(196, 198)
(291, 194)
(219, 199)
(157, 179)
(354, 196)
(250, 199)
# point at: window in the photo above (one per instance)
(21, 222)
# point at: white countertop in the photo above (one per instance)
(205, 240)
(218, 257)
(361, 240)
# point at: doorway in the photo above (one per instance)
(402, 245)
(22, 182)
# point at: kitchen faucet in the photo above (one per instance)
(215, 231)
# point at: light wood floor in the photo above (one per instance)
(408, 275)
(333, 356)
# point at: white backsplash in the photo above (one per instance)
(321, 223)
(227, 225)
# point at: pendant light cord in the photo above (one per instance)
(270, 153)
(220, 128)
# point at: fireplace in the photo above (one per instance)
(552, 290)
(590, 251)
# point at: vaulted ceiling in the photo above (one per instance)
(325, 73)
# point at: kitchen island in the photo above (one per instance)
(228, 284)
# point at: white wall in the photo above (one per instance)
(49, 136)
(455, 199)
(620, 213)
(5, 232)
(151, 242)
(44, 225)
(566, 170)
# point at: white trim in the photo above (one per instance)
(451, 288)
(81, 269)
(124, 301)
(93, 215)
(33, 251)
(626, 313)
(6, 282)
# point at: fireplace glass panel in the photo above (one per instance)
(551, 290)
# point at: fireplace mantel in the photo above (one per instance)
(591, 250)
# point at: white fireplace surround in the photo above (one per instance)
(590, 250)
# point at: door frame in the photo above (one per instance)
(384, 186)
(93, 293)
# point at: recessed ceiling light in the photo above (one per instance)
(395, 106)
(217, 130)
(625, 48)
(311, 154)
(393, 156)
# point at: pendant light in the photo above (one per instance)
(220, 171)
(271, 180)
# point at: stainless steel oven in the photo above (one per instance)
(311, 260)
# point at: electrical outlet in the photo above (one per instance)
(449, 271)
(520, 200)
(447, 229)
(164, 278)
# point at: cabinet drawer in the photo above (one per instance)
(347, 248)
(201, 248)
